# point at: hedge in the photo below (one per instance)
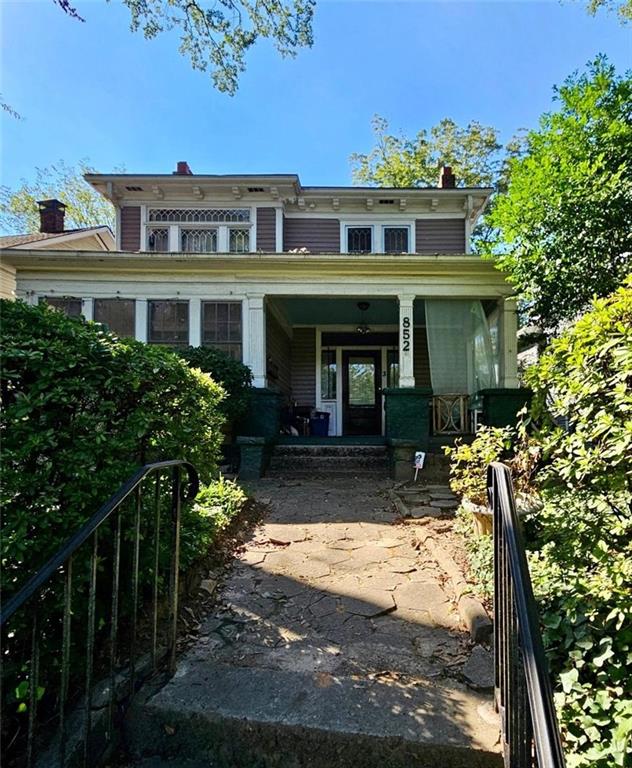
(81, 410)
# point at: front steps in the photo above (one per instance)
(332, 460)
(220, 716)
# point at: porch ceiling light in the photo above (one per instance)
(363, 328)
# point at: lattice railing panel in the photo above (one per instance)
(450, 414)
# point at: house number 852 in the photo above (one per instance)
(406, 334)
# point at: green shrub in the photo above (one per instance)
(480, 553)
(215, 506)
(469, 461)
(81, 411)
(582, 537)
(234, 376)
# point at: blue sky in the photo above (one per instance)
(97, 91)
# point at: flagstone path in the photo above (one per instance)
(336, 617)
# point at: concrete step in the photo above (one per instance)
(330, 450)
(224, 716)
(327, 462)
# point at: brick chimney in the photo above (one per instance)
(182, 169)
(446, 178)
(52, 214)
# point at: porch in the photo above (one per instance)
(344, 356)
(409, 371)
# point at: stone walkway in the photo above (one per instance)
(335, 617)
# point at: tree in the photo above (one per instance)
(565, 225)
(217, 38)
(85, 207)
(474, 152)
(622, 7)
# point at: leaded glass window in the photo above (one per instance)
(239, 241)
(117, 315)
(199, 215)
(359, 239)
(221, 326)
(395, 239)
(198, 240)
(168, 322)
(158, 240)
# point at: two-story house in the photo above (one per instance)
(363, 303)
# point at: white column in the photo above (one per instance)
(255, 351)
(406, 333)
(87, 308)
(509, 343)
(141, 320)
(195, 322)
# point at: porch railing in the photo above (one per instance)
(524, 699)
(62, 631)
(450, 414)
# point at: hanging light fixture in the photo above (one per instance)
(363, 328)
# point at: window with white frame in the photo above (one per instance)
(377, 237)
(359, 239)
(395, 239)
(186, 229)
(69, 305)
(158, 239)
(198, 240)
(239, 241)
(168, 322)
(221, 326)
(117, 315)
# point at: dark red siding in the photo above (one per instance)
(266, 230)
(130, 228)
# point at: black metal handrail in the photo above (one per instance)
(39, 588)
(524, 697)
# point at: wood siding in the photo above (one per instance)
(440, 236)
(130, 228)
(266, 230)
(421, 359)
(278, 355)
(304, 366)
(317, 235)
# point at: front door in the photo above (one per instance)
(361, 396)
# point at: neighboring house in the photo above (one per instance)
(364, 303)
(52, 236)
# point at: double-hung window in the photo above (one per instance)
(69, 305)
(221, 326)
(168, 323)
(117, 315)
